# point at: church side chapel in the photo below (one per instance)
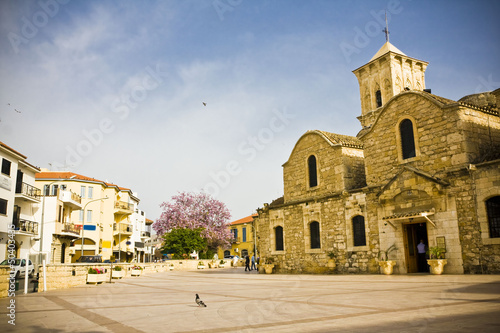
(423, 168)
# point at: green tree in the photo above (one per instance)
(182, 241)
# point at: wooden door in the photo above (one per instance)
(411, 255)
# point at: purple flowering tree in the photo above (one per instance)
(196, 210)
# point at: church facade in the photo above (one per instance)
(423, 168)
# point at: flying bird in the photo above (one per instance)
(199, 301)
(17, 111)
(204, 104)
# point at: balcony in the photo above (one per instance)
(28, 192)
(122, 229)
(71, 199)
(122, 207)
(236, 240)
(67, 229)
(145, 234)
(26, 227)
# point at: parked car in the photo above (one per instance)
(97, 259)
(231, 257)
(19, 267)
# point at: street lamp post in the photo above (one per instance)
(83, 222)
(40, 253)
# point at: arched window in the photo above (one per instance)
(358, 230)
(493, 211)
(314, 232)
(244, 253)
(227, 253)
(407, 139)
(278, 236)
(378, 97)
(313, 176)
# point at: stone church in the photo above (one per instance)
(422, 168)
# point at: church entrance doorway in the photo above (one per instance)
(413, 233)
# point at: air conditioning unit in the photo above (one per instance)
(236, 250)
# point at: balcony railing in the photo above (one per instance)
(26, 226)
(122, 206)
(28, 190)
(145, 234)
(123, 228)
(70, 198)
(69, 195)
(68, 228)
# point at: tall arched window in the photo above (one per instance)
(314, 232)
(407, 139)
(358, 230)
(278, 236)
(493, 211)
(313, 176)
(378, 97)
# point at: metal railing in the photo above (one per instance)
(28, 190)
(122, 205)
(71, 195)
(27, 226)
(123, 228)
(145, 234)
(71, 228)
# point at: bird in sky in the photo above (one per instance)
(199, 301)
(204, 104)
(17, 111)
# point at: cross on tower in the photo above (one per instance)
(386, 30)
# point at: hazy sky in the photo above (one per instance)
(115, 89)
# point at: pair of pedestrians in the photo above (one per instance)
(247, 263)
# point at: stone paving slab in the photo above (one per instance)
(240, 301)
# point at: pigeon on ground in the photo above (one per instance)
(199, 301)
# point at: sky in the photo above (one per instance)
(191, 95)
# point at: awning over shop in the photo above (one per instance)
(410, 215)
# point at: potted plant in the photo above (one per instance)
(221, 263)
(117, 272)
(436, 260)
(269, 265)
(96, 275)
(136, 271)
(171, 267)
(331, 262)
(201, 265)
(386, 265)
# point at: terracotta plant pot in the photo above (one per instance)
(386, 267)
(437, 266)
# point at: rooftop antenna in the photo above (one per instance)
(386, 30)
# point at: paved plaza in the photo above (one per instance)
(238, 301)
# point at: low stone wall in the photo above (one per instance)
(60, 276)
(4, 281)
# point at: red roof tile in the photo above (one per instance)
(67, 175)
(247, 219)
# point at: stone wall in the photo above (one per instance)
(4, 281)
(334, 214)
(61, 276)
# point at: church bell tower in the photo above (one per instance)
(388, 73)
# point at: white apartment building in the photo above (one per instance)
(103, 220)
(19, 202)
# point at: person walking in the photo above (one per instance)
(247, 263)
(253, 263)
(421, 250)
